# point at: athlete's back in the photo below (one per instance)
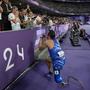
(57, 54)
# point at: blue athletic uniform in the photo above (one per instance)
(58, 60)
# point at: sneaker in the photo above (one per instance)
(63, 84)
(48, 76)
(51, 73)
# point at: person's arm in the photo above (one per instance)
(12, 18)
(1, 10)
(42, 44)
(18, 20)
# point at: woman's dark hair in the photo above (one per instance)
(14, 7)
(43, 36)
(51, 34)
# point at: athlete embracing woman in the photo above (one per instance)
(56, 55)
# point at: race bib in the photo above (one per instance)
(61, 53)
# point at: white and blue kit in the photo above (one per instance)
(58, 60)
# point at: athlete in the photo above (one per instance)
(56, 55)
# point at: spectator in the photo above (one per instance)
(25, 18)
(38, 21)
(6, 5)
(14, 19)
(28, 9)
(30, 15)
(45, 20)
(50, 22)
(1, 21)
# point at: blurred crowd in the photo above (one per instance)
(16, 18)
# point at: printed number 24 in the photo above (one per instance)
(9, 50)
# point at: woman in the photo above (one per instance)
(14, 19)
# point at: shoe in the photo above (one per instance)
(51, 73)
(48, 76)
(63, 84)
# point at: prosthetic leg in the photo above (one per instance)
(57, 67)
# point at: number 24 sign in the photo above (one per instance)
(9, 59)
